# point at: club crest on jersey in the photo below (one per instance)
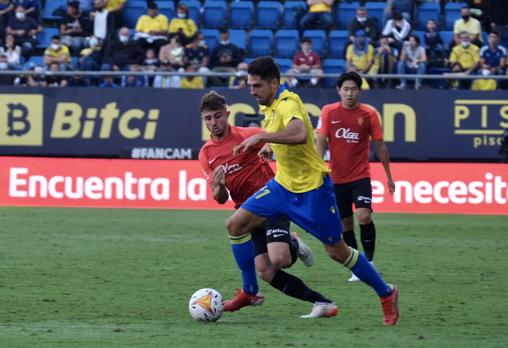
(345, 133)
(359, 120)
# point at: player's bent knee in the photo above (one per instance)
(364, 219)
(281, 260)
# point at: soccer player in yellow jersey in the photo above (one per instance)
(301, 189)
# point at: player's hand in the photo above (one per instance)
(247, 144)
(219, 175)
(391, 185)
(266, 152)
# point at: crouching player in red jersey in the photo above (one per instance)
(267, 248)
(347, 127)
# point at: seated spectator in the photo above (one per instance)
(6, 9)
(434, 45)
(101, 23)
(91, 57)
(464, 59)
(468, 24)
(57, 53)
(405, 7)
(493, 56)
(55, 80)
(72, 28)
(32, 7)
(24, 29)
(78, 81)
(413, 60)
(173, 53)
(363, 22)
(385, 61)
(152, 29)
(224, 58)
(191, 82)
(240, 79)
(108, 82)
(397, 29)
(319, 15)
(150, 63)
(134, 81)
(183, 25)
(116, 9)
(166, 81)
(12, 52)
(197, 55)
(121, 52)
(360, 54)
(305, 61)
(5, 80)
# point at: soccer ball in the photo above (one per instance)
(206, 305)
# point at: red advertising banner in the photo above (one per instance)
(64, 182)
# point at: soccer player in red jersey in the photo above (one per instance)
(272, 246)
(347, 127)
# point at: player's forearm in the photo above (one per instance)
(320, 144)
(384, 157)
(295, 133)
(220, 193)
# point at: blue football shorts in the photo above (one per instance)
(315, 211)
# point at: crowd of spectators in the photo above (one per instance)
(93, 37)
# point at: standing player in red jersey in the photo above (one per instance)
(348, 126)
(272, 246)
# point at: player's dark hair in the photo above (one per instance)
(264, 67)
(350, 76)
(212, 101)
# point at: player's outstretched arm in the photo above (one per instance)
(384, 157)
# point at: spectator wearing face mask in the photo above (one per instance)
(468, 24)
(91, 57)
(152, 29)
(363, 22)
(121, 52)
(58, 54)
(183, 25)
(24, 29)
(224, 58)
(464, 59)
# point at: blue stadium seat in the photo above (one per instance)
(376, 10)
(447, 36)
(241, 15)
(452, 13)
(420, 35)
(288, 17)
(260, 43)
(332, 66)
(167, 8)
(238, 37)
(268, 14)
(214, 14)
(132, 11)
(212, 38)
(45, 35)
(286, 43)
(35, 61)
(284, 64)
(346, 12)
(337, 43)
(425, 12)
(194, 7)
(318, 38)
(51, 6)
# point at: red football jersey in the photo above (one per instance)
(246, 172)
(349, 132)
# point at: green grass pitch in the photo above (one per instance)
(123, 278)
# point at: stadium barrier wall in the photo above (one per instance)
(65, 182)
(165, 124)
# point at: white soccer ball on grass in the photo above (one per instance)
(206, 305)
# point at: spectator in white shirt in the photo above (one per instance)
(397, 29)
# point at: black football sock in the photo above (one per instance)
(295, 287)
(368, 237)
(350, 239)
